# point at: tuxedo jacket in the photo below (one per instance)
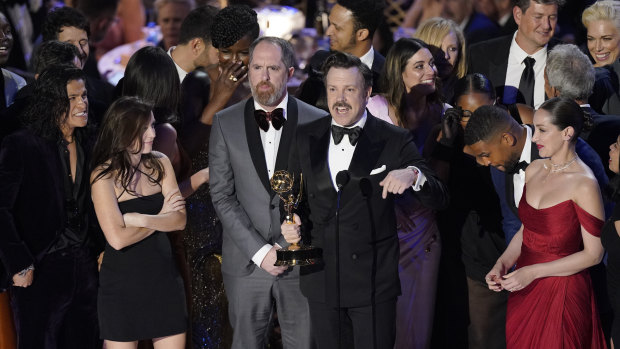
(380, 144)
(312, 90)
(490, 58)
(32, 199)
(504, 184)
(239, 182)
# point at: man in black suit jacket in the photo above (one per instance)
(502, 60)
(357, 285)
(352, 24)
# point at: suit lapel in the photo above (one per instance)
(365, 156)
(288, 133)
(318, 144)
(255, 145)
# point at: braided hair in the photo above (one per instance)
(232, 23)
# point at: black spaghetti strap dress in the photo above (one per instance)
(140, 289)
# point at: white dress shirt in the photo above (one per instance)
(271, 143)
(518, 180)
(515, 70)
(368, 58)
(340, 155)
(182, 73)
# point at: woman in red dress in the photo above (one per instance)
(551, 304)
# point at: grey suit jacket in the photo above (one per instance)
(247, 207)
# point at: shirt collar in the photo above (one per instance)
(182, 73)
(282, 105)
(526, 154)
(361, 122)
(369, 57)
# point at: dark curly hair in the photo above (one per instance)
(54, 53)
(51, 107)
(123, 124)
(63, 17)
(152, 76)
(232, 23)
(367, 14)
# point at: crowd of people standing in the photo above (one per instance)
(462, 188)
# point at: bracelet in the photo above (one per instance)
(23, 272)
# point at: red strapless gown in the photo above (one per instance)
(554, 312)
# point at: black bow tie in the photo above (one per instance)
(339, 132)
(263, 117)
(522, 165)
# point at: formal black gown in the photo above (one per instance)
(611, 243)
(141, 293)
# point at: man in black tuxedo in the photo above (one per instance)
(352, 24)
(515, 63)
(352, 295)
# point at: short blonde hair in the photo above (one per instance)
(434, 30)
(158, 4)
(607, 10)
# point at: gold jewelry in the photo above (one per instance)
(560, 167)
(232, 78)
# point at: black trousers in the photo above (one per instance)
(353, 326)
(59, 309)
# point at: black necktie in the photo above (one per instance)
(263, 118)
(339, 132)
(521, 165)
(526, 85)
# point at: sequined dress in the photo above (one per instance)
(203, 240)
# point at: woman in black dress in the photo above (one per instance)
(136, 197)
(610, 238)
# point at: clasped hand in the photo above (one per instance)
(515, 281)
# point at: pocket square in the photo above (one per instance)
(377, 170)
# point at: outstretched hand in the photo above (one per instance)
(397, 181)
(450, 126)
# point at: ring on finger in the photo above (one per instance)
(232, 78)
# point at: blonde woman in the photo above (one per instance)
(602, 21)
(446, 35)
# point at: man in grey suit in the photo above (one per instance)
(249, 142)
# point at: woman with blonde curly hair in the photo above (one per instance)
(444, 34)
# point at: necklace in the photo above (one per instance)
(560, 167)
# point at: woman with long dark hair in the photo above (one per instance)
(136, 197)
(412, 100)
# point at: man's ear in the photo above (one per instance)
(291, 71)
(362, 34)
(508, 139)
(197, 45)
(517, 13)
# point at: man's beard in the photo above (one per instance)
(512, 162)
(270, 97)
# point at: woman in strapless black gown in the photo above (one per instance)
(610, 238)
(136, 197)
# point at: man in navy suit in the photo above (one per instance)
(352, 24)
(504, 60)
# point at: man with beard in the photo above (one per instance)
(352, 295)
(495, 139)
(249, 142)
